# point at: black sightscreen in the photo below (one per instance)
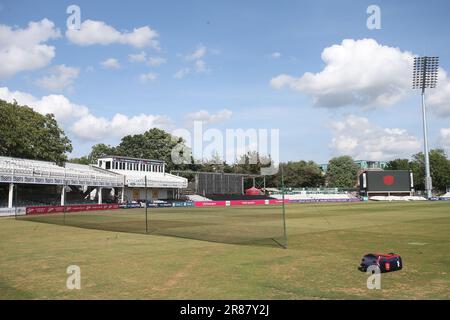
(388, 180)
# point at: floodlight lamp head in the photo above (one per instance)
(425, 72)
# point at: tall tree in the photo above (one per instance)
(300, 174)
(80, 160)
(28, 134)
(398, 164)
(100, 150)
(215, 164)
(152, 144)
(439, 167)
(303, 174)
(251, 163)
(342, 172)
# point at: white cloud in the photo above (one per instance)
(110, 63)
(156, 61)
(356, 72)
(60, 77)
(199, 53)
(364, 73)
(98, 32)
(92, 128)
(439, 98)
(138, 57)
(151, 61)
(444, 139)
(209, 118)
(197, 58)
(180, 74)
(357, 137)
(148, 77)
(25, 49)
(59, 105)
(78, 121)
(275, 55)
(200, 66)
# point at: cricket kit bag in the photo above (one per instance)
(386, 262)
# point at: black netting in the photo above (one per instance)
(261, 224)
(219, 183)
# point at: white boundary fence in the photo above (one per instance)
(8, 212)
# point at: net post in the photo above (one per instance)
(15, 201)
(64, 203)
(146, 224)
(283, 206)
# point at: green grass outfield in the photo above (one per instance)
(325, 245)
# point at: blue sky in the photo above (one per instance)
(243, 48)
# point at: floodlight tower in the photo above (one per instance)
(425, 76)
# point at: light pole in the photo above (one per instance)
(425, 76)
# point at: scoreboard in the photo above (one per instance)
(386, 181)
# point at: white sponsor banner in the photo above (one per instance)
(7, 212)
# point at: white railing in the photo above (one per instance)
(23, 171)
(152, 183)
(157, 180)
(13, 170)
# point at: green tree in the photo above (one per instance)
(100, 150)
(398, 164)
(215, 164)
(81, 160)
(28, 134)
(439, 169)
(300, 174)
(152, 144)
(342, 172)
(251, 163)
(303, 174)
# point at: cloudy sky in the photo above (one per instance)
(311, 69)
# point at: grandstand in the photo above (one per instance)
(196, 197)
(397, 198)
(362, 165)
(41, 182)
(16, 170)
(314, 194)
(229, 197)
(139, 173)
(25, 182)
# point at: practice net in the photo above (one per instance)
(251, 224)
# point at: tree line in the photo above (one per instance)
(28, 134)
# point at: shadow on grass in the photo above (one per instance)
(8, 292)
(246, 235)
